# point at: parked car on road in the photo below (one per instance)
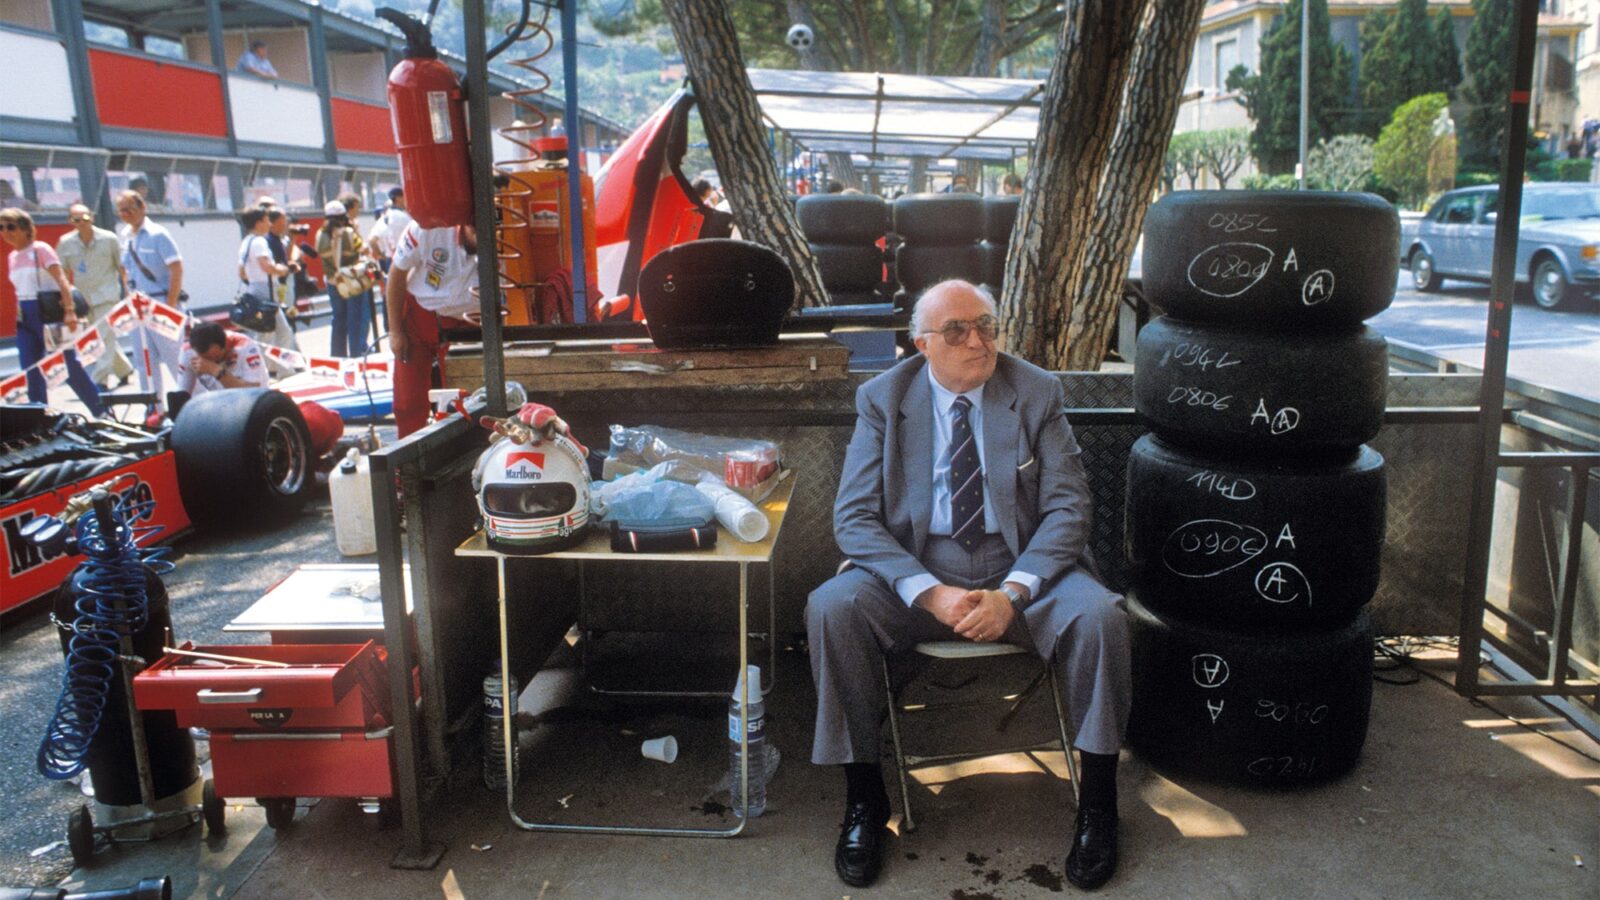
(1558, 250)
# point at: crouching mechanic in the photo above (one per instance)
(965, 510)
(430, 287)
(216, 358)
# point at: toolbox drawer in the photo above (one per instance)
(326, 686)
(350, 763)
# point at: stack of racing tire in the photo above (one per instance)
(942, 238)
(1255, 512)
(844, 231)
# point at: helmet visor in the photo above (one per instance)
(532, 500)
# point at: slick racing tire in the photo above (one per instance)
(849, 267)
(243, 455)
(1220, 388)
(1265, 547)
(929, 220)
(920, 267)
(1285, 711)
(843, 218)
(1272, 259)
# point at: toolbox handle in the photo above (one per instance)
(207, 695)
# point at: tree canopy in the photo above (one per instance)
(1272, 95)
(1489, 52)
(1400, 156)
(1398, 62)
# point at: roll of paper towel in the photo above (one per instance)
(734, 510)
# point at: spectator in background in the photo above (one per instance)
(339, 245)
(140, 185)
(150, 256)
(835, 187)
(93, 260)
(1011, 185)
(386, 231)
(215, 359)
(34, 268)
(255, 61)
(10, 198)
(958, 185)
(262, 274)
(429, 288)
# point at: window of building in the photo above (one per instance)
(42, 178)
(293, 188)
(1226, 56)
(182, 184)
(110, 35)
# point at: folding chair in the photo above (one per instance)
(944, 650)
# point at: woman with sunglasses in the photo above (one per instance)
(31, 260)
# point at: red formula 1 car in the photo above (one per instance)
(228, 451)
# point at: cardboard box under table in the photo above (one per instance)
(286, 720)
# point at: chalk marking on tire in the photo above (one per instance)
(1227, 265)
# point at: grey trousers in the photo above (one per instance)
(854, 618)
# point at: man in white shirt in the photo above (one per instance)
(429, 287)
(216, 359)
(384, 238)
(92, 258)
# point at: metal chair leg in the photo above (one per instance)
(1061, 721)
(899, 753)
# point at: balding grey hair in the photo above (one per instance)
(919, 311)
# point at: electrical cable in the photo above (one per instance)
(1397, 651)
(112, 602)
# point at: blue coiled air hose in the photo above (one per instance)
(110, 601)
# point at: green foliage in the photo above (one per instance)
(1446, 58)
(1272, 96)
(1340, 163)
(1223, 151)
(1184, 155)
(1400, 157)
(1469, 178)
(1489, 51)
(1398, 65)
(1261, 182)
(1563, 170)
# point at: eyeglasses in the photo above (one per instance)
(83, 218)
(11, 226)
(956, 331)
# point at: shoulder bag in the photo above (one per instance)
(133, 244)
(50, 310)
(258, 314)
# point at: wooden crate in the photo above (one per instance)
(609, 365)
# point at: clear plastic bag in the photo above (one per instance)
(749, 466)
(648, 496)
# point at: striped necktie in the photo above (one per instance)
(966, 479)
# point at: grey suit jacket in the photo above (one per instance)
(1032, 472)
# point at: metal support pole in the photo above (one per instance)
(1491, 397)
(1305, 88)
(569, 87)
(494, 366)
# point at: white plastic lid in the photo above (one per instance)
(752, 675)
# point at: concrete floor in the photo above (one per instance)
(1451, 799)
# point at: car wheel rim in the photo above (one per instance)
(284, 457)
(1549, 286)
(1422, 272)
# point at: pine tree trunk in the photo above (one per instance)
(732, 119)
(1068, 258)
(1133, 171)
(1077, 121)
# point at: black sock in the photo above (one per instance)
(864, 782)
(1097, 781)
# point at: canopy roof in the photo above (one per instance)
(901, 115)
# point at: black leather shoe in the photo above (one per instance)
(1093, 857)
(859, 855)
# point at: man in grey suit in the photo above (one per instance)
(965, 511)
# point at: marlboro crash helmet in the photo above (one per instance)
(534, 497)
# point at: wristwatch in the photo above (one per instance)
(1016, 596)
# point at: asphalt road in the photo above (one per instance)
(1559, 350)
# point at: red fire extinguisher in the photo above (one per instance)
(426, 105)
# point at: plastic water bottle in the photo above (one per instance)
(494, 747)
(350, 490)
(756, 741)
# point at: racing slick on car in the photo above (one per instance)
(430, 287)
(215, 359)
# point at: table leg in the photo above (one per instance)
(509, 736)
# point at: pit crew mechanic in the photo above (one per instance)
(430, 286)
(216, 359)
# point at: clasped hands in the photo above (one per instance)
(977, 615)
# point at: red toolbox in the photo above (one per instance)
(286, 720)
